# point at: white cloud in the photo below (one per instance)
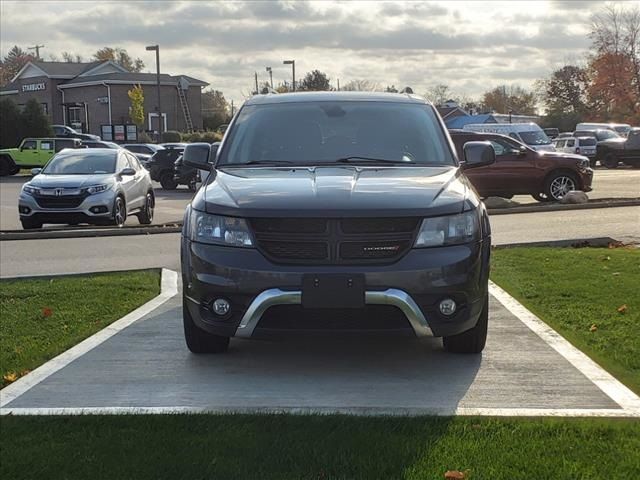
(471, 46)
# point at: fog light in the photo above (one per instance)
(220, 306)
(100, 209)
(24, 210)
(447, 306)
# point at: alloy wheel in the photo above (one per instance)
(560, 186)
(119, 215)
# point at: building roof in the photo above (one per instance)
(132, 78)
(66, 69)
(461, 121)
(335, 96)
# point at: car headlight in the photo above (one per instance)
(219, 230)
(449, 230)
(97, 189)
(583, 163)
(30, 190)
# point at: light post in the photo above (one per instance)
(270, 76)
(293, 71)
(156, 48)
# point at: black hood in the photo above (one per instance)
(336, 191)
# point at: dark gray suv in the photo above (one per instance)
(340, 213)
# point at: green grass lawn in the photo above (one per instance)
(317, 447)
(582, 294)
(42, 318)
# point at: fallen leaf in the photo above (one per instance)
(622, 308)
(24, 372)
(607, 258)
(454, 475)
(10, 377)
(615, 274)
(593, 328)
(47, 312)
(615, 244)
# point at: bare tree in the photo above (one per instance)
(361, 85)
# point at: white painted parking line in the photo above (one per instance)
(629, 401)
(168, 288)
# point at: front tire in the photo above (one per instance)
(7, 167)
(146, 216)
(471, 341)
(610, 161)
(199, 341)
(167, 181)
(119, 215)
(541, 197)
(559, 184)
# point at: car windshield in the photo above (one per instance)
(82, 163)
(535, 137)
(313, 133)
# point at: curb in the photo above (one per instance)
(597, 242)
(556, 207)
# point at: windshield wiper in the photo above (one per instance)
(259, 162)
(355, 158)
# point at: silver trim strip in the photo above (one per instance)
(391, 296)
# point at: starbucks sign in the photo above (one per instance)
(34, 87)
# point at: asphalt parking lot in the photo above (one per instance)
(170, 204)
(518, 372)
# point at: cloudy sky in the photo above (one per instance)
(469, 45)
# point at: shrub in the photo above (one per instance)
(143, 137)
(211, 137)
(171, 136)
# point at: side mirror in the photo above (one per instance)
(197, 155)
(35, 171)
(478, 154)
(128, 171)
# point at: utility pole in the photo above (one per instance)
(37, 49)
(232, 109)
(293, 71)
(157, 50)
(338, 84)
(257, 90)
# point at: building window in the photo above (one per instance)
(45, 108)
(75, 115)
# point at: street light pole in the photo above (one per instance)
(270, 76)
(156, 48)
(293, 71)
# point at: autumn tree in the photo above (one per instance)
(505, 99)
(314, 81)
(614, 68)
(136, 111)
(11, 64)
(119, 56)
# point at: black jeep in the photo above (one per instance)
(336, 213)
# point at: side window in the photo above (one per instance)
(29, 145)
(133, 148)
(122, 163)
(571, 142)
(514, 135)
(132, 161)
(46, 145)
(58, 130)
(498, 147)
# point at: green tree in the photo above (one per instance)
(136, 112)
(11, 64)
(33, 121)
(119, 56)
(9, 123)
(215, 109)
(314, 81)
(565, 96)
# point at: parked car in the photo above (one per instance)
(64, 131)
(565, 135)
(600, 134)
(185, 175)
(145, 148)
(615, 150)
(520, 170)
(336, 212)
(174, 145)
(551, 132)
(33, 152)
(96, 186)
(528, 133)
(621, 129)
(99, 144)
(161, 166)
(579, 145)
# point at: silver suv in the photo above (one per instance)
(97, 186)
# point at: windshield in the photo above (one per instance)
(82, 163)
(535, 137)
(311, 133)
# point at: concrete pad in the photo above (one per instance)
(147, 368)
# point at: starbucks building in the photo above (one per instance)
(92, 97)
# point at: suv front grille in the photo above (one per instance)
(334, 241)
(63, 201)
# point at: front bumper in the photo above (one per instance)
(586, 178)
(94, 209)
(415, 285)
